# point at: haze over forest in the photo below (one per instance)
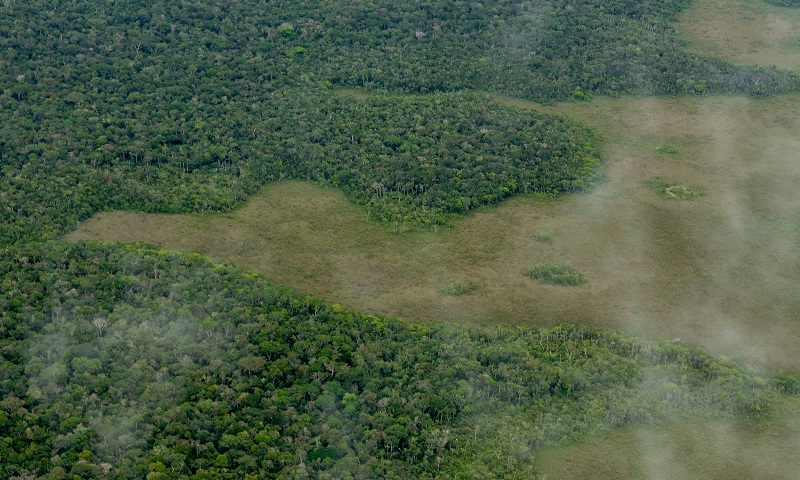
(346, 239)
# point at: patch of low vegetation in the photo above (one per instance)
(673, 190)
(542, 237)
(682, 192)
(556, 274)
(785, 3)
(454, 289)
(667, 149)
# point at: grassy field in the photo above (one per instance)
(718, 271)
(692, 448)
(744, 31)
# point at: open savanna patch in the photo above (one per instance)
(689, 448)
(743, 31)
(719, 271)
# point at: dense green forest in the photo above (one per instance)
(431, 157)
(178, 106)
(127, 362)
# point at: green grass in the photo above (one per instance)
(555, 274)
(454, 289)
(673, 190)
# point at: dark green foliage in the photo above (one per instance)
(433, 156)
(542, 50)
(788, 382)
(555, 274)
(171, 385)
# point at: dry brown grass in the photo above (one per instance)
(743, 31)
(719, 272)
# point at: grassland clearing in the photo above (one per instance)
(719, 272)
(691, 448)
(743, 31)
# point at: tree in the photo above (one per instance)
(252, 364)
(101, 324)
